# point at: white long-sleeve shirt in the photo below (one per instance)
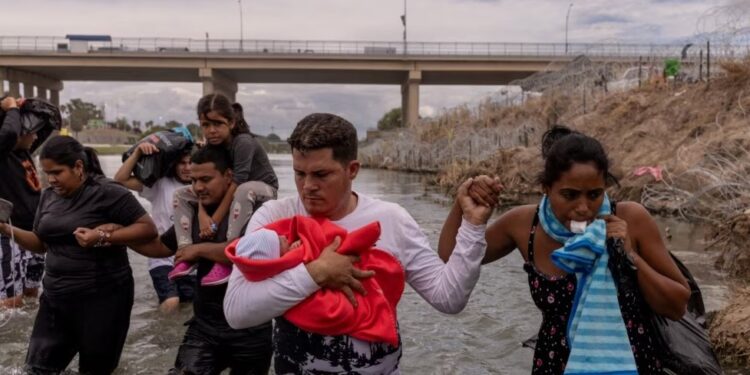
(445, 286)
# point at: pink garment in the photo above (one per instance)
(653, 171)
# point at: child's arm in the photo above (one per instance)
(223, 208)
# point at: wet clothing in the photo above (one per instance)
(554, 296)
(210, 344)
(88, 293)
(161, 197)
(71, 269)
(206, 350)
(20, 182)
(182, 287)
(19, 268)
(94, 326)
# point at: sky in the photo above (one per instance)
(277, 107)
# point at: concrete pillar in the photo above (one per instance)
(54, 97)
(28, 90)
(14, 88)
(216, 82)
(42, 92)
(29, 80)
(410, 97)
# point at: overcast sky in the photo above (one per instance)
(281, 106)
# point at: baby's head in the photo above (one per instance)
(264, 244)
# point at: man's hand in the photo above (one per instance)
(189, 254)
(335, 271)
(86, 237)
(8, 103)
(477, 210)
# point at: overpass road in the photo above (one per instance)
(45, 63)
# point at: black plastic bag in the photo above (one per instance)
(172, 146)
(38, 116)
(683, 344)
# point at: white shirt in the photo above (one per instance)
(445, 286)
(161, 196)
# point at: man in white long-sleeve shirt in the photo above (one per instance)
(324, 152)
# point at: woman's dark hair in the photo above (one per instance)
(562, 146)
(225, 108)
(67, 151)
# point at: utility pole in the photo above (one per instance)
(567, 18)
(242, 34)
(403, 21)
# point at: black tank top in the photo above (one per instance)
(554, 295)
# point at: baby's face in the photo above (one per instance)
(285, 246)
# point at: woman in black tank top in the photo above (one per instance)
(575, 176)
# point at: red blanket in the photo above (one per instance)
(328, 312)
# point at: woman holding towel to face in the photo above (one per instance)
(564, 241)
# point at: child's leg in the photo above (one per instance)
(184, 203)
(247, 198)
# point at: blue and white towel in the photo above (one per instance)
(596, 332)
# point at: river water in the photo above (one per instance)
(483, 339)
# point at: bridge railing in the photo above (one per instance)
(43, 44)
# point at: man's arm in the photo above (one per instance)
(446, 286)
(10, 129)
(161, 247)
(213, 251)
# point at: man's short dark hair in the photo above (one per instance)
(324, 130)
(212, 154)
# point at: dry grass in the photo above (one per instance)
(730, 331)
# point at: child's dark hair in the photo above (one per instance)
(562, 146)
(172, 171)
(225, 108)
(67, 151)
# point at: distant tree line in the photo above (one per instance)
(80, 115)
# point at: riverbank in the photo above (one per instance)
(682, 131)
(691, 140)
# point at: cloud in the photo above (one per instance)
(604, 18)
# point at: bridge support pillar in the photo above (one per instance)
(216, 82)
(410, 98)
(14, 88)
(30, 80)
(54, 97)
(28, 90)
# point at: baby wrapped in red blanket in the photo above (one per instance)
(258, 255)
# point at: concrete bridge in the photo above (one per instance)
(44, 63)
